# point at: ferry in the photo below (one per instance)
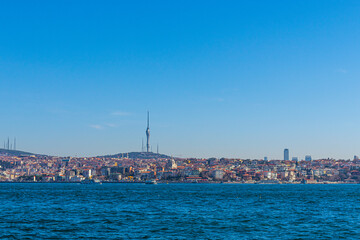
(91, 181)
(151, 182)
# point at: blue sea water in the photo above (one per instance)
(179, 211)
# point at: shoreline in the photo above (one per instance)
(192, 183)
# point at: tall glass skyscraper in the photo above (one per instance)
(286, 154)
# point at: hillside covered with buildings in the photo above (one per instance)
(141, 167)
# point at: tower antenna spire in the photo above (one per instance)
(148, 120)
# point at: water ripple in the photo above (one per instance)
(179, 211)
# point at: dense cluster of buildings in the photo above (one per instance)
(148, 166)
(123, 169)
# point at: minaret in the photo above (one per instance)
(147, 134)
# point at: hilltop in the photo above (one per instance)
(132, 155)
(8, 152)
(138, 155)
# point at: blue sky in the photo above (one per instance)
(220, 78)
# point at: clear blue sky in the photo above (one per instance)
(220, 78)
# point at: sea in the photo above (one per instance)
(179, 211)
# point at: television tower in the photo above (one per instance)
(147, 134)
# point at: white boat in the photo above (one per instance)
(91, 181)
(151, 182)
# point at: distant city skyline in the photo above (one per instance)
(221, 79)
